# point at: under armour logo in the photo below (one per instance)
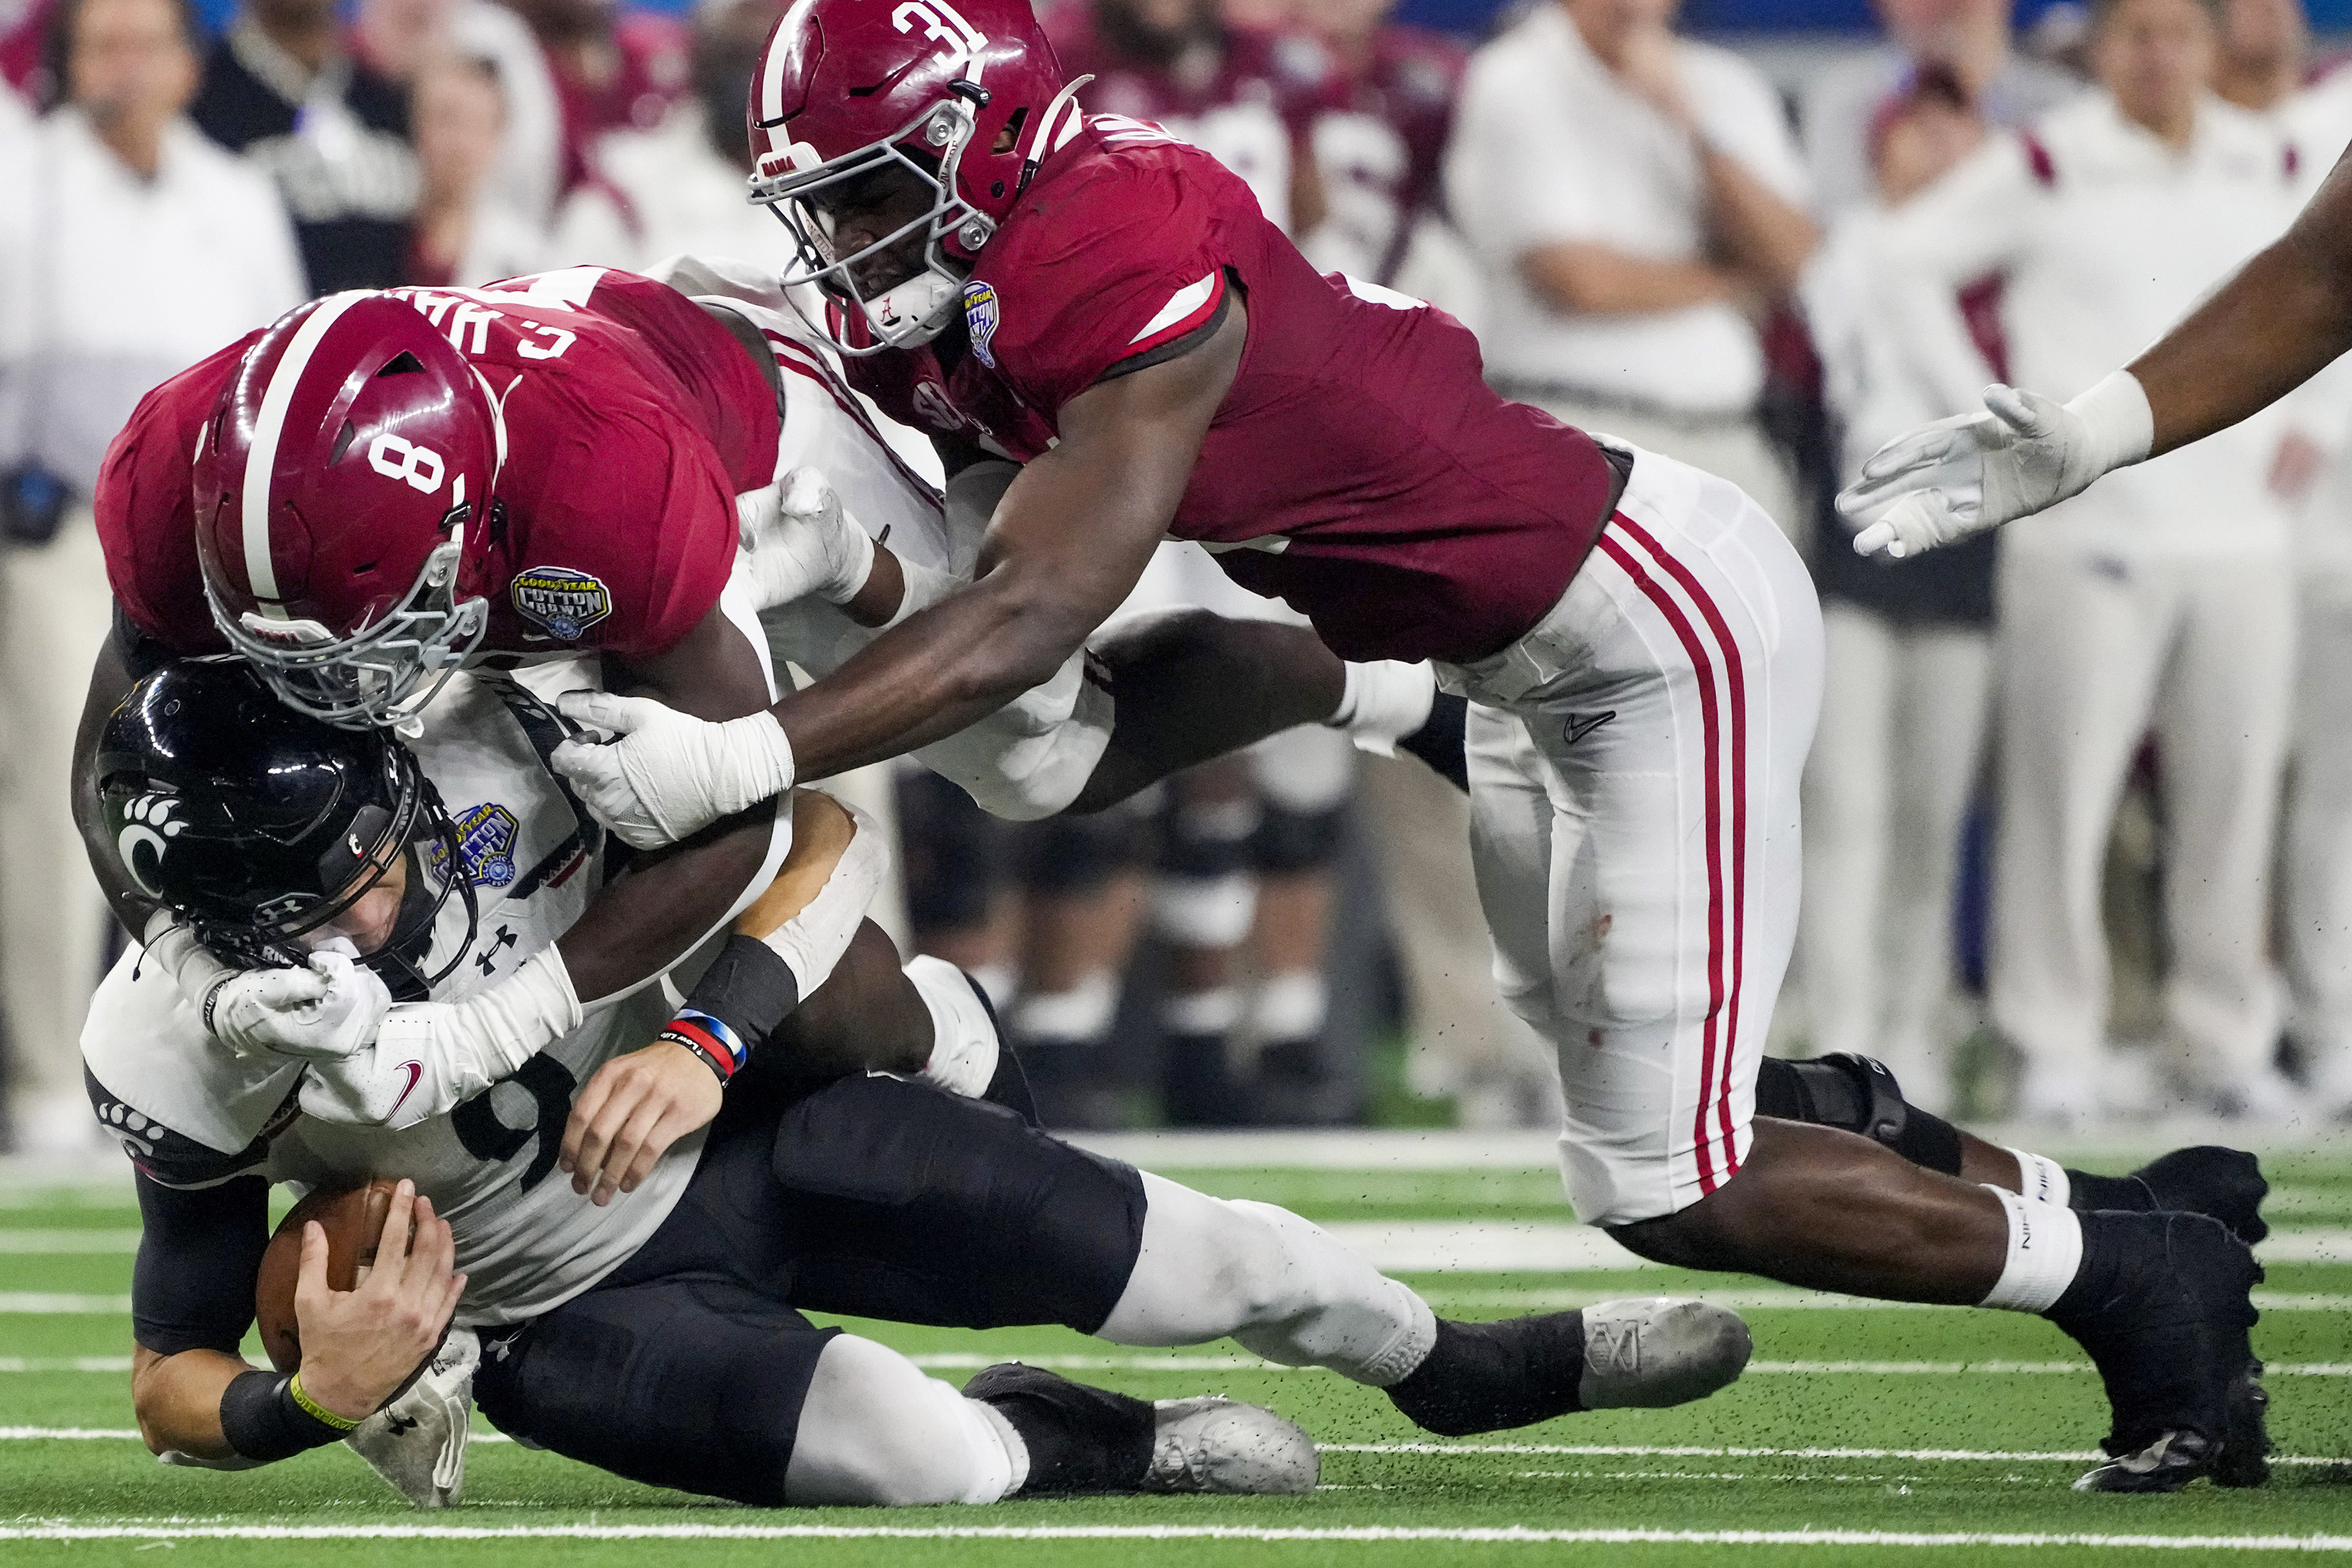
(1613, 1347)
(400, 1426)
(489, 961)
(1582, 725)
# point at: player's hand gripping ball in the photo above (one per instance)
(376, 1318)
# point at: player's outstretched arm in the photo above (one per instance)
(2284, 317)
(1067, 544)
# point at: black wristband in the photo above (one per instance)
(262, 1420)
(749, 989)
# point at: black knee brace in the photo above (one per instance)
(1856, 1094)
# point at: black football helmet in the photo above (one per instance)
(258, 825)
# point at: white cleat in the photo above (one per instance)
(1649, 1352)
(417, 1443)
(1211, 1444)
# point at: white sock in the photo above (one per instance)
(1074, 1017)
(996, 1435)
(1382, 702)
(2039, 1176)
(1361, 1324)
(2046, 1249)
(1202, 1013)
(964, 1047)
(1291, 1006)
(1204, 910)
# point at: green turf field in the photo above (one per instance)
(1861, 1433)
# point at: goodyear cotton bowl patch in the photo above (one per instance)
(485, 841)
(565, 601)
(979, 316)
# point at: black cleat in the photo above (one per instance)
(2167, 1327)
(1646, 1353)
(2224, 1182)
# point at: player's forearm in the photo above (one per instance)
(667, 902)
(1594, 280)
(176, 1400)
(935, 673)
(2280, 320)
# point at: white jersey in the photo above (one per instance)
(190, 1113)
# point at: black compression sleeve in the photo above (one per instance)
(263, 1420)
(192, 1288)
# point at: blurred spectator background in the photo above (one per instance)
(1763, 236)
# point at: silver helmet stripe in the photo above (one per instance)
(263, 456)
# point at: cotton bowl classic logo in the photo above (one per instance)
(979, 316)
(565, 601)
(485, 841)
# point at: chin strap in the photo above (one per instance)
(1038, 141)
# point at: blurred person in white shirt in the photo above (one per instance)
(679, 187)
(1908, 647)
(1639, 202)
(1969, 38)
(2163, 598)
(396, 37)
(463, 234)
(137, 247)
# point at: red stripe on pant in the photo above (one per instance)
(1709, 731)
(1736, 678)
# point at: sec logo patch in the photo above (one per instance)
(485, 841)
(979, 317)
(565, 601)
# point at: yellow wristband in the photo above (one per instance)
(313, 1409)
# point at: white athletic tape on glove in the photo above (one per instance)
(324, 1012)
(1958, 477)
(800, 540)
(428, 1057)
(669, 774)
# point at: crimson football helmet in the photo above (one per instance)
(966, 95)
(343, 489)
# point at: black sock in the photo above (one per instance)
(1439, 741)
(1081, 1439)
(2113, 1244)
(1484, 1377)
(2085, 1190)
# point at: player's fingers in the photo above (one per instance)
(603, 710)
(584, 1111)
(806, 491)
(438, 1242)
(674, 1125)
(310, 1274)
(451, 1294)
(2017, 410)
(632, 1138)
(392, 1247)
(596, 1140)
(1879, 538)
(285, 989)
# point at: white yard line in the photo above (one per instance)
(19, 1303)
(1505, 1535)
(65, 1240)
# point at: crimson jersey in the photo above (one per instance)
(1360, 468)
(632, 419)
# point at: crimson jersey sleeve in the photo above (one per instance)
(1132, 269)
(145, 505)
(622, 533)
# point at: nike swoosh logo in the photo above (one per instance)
(415, 1070)
(1579, 727)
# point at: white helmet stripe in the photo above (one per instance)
(263, 456)
(771, 81)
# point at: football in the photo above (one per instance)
(353, 1219)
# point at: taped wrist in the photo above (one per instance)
(265, 1416)
(746, 993)
(2121, 424)
(925, 586)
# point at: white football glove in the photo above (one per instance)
(418, 1442)
(324, 1012)
(428, 1057)
(799, 541)
(669, 774)
(1977, 471)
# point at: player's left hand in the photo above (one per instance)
(799, 540)
(634, 1109)
(324, 1013)
(668, 775)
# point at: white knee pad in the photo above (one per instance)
(877, 1431)
(964, 1047)
(1030, 757)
